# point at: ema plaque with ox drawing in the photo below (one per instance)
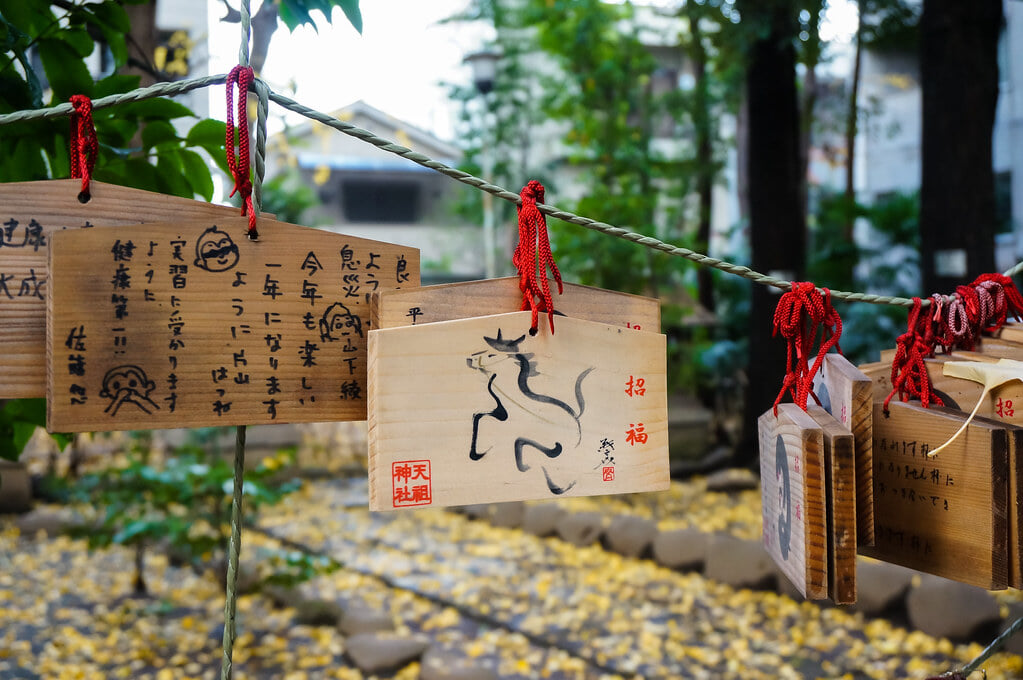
(192, 324)
(478, 410)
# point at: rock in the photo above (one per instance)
(282, 596)
(359, 618)
(630, 535)
(739, 563)
(681, 549)
(478, 511)
(880, 586)
(949, 609)
(732, 479)
(542, 519)
(53, 522)
(382, 652)
(15, 487)
(312, 612)
(508, 514)
(581, 528)
(445, 665)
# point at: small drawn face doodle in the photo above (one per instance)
(215, 251)
(338, 322)
(127, 385)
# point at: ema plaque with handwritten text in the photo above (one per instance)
(30, 213)
(191, 324)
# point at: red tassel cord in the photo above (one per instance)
(799, 313)
(909, 371)
(955, 322)
(533, 257)
(238, 162)
(84, 143)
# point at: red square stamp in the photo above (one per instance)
(410, 481)
(609, 473)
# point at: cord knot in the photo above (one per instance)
(533, 256)
(800, 311)
(84, 143)
(238, 161)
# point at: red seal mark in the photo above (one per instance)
(410, 480)
(609, 473)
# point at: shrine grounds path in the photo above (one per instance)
(502, 601)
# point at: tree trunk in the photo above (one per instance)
(142, 42)
(959, 82)
(705, 170)
(777, 219)
(851, 128)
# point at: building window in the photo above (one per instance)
(380, 201)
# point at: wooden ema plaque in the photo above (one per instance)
(478, 410)
(192, 324)
(395, 308)
(1003, 403)
(847, 394)
(793, 497)
(945, 515)
(841, 498)
(31, 213)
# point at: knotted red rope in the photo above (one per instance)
(533, 257)
(84, 143)
(956, 322)
(238, 162)
(909, 371)
(799, 313)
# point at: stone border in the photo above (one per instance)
(936, 606)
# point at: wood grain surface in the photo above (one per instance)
(190, 324)
(793, 497)
(476, 410)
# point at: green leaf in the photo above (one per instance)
(112, 15)
(351, 10)
(197, 173)
(115, 84)
(208, 133)
(158, 132)
(155, 109)
(293, 14)
(79, 40)
(169, 171)
(65, 69)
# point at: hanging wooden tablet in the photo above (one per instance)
(947, 514)
(841, 498)
(410, 306)
(31, 212)
(192, 324)
(1002, 403)
(847, 394)
(1012, 331)
(793, 497)
(478, 410)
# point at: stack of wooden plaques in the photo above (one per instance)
(817, 487)
(957, 513)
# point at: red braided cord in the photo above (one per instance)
(84, 143)
(909, 371)
(238, 163)
(533, 256)
(799, 332)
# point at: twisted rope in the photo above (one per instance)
(233, 551)
(384, 144)
(235, 545)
